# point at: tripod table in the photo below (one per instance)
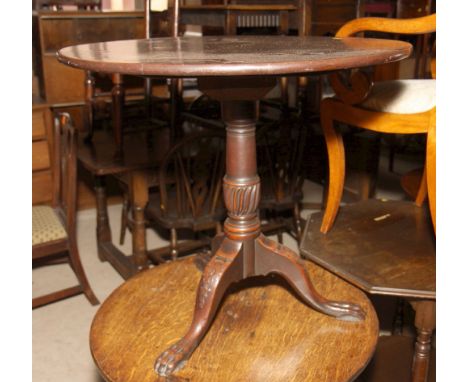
(238, 71)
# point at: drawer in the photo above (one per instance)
(39, 123)
(40, 156)
(41, 187)
(62, 83)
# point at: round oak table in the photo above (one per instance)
(262, 331)
(238, 71)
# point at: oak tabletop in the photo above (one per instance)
(232, 55)
(262, 331)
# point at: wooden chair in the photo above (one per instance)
(280, 155)
(190, 188)
(383, 247)
(54, 227)
(140, 110)
(400, 107)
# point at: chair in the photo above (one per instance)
(137, 112)
(399, 106)
(383, 247)
(54, 227)
(280, 155)
(190, 188)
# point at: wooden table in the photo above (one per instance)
(384, 248)
(238, 71)
(261, 332)
(102, 158)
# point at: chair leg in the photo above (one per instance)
(279, 235)
(124, 217)
(297, 222)
(336, 163)
(174, 251)
(80, 274)
(397, 328)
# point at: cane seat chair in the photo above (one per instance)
(384, 247)
(54, 227)
(190, 187)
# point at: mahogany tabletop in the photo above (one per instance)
(232, 55)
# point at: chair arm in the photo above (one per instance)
(418, 25)
(359, 87)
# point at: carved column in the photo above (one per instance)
(241, 183)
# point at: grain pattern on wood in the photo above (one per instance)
(262, 332)
(381, 247)
(232, 55)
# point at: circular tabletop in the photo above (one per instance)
(262, 331)
(232, 55)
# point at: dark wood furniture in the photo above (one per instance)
(138, 154)
(95, 5)
(62, 88)
(412, 9)
(42, 153)
(307, 17)
(260, 333)
(62, 84)
(54, 228)
(281, 147)
(190, 187)
(229, 17)
(384, 248)
(238, 71)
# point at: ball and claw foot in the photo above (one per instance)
(346, 311)
(173, 358)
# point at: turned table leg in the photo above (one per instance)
(242, 251)
(118, 99)
(425, 325)
(139, 200)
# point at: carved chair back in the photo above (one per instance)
(280, 156)
(64, 173)
(48, 235)
(356, 87)
(191, 178)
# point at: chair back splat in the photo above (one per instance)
(197, 165)
(64, 175)
(54, 227)
(191, 189)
